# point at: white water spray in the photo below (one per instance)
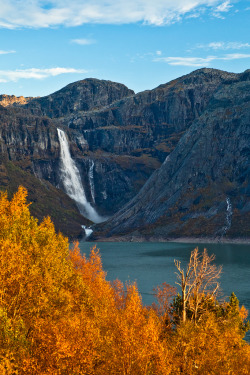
(88, 231)
(72, 181)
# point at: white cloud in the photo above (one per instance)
(44, 13)
(234, 56)
(222, 8)
(186, 61)
(83, 41)
(223, 45)
(6, 52)
(15, 75)
(200, 61)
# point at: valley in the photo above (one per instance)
(162, 164)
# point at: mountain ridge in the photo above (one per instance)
(142, 217)
(117, 138)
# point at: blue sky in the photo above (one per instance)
(44, 45)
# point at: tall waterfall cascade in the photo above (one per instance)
(72, 181)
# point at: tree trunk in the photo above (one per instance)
(184, 313)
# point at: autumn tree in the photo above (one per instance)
(165, 297)
(198, 282)
(210, 342)
(59, 315)
(35, 276)
(211, 347)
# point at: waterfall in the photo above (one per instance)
(229, 214)
(72, 181)
(91, 180)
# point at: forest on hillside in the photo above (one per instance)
(59, 315)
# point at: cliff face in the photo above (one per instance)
(203, 187)
(118, 139)
(128, 139)
(152, 120)
(27, 141)
(24, 135)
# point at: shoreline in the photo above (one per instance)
(203, 240)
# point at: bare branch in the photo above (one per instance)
(200, 279)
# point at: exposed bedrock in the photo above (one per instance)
(118, 139)
(203, 187)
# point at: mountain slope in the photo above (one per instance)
(130, 138)
(203, 187)
(117, 139)
(116, 136)
(45, 199)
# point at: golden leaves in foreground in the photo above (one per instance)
(60, 316)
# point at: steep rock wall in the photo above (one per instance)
(203, 187)
(118, 139)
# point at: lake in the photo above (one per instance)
(150, 264)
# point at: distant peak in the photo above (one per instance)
(83, 95)
(97, 81)
(200, 74)
(8, 100)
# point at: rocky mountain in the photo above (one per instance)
(117, 139)
(9, 100)
(203, 187)
(85, 95)
(25, 140)
(125, 141)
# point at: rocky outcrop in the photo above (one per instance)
(152, 120)
(203, 186)
(85, 95)
(9, 100)
(24, 135)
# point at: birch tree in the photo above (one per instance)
(198, 282)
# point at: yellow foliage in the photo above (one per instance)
(209, 349)
(60, 316)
